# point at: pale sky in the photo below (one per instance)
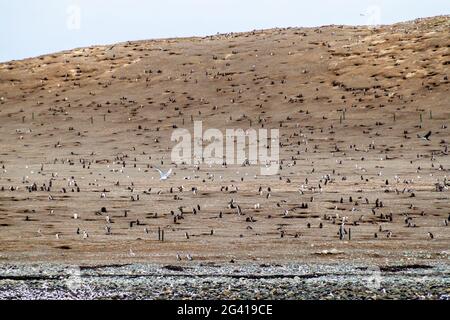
(30, 28)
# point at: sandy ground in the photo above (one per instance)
(349, 103)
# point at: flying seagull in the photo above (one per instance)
(164, 175)
(425, 137)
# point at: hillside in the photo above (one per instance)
(349, 103)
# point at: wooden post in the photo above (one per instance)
(394, 116)
(349, 234)
(92, 120)
(420, 118)
(431, 115)
(340, 119)
(162, 235)
(32, 115)
(159, 234)
(23, 119)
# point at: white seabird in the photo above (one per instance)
(425, 137)
(164, 175)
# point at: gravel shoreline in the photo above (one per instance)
(248, 281)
